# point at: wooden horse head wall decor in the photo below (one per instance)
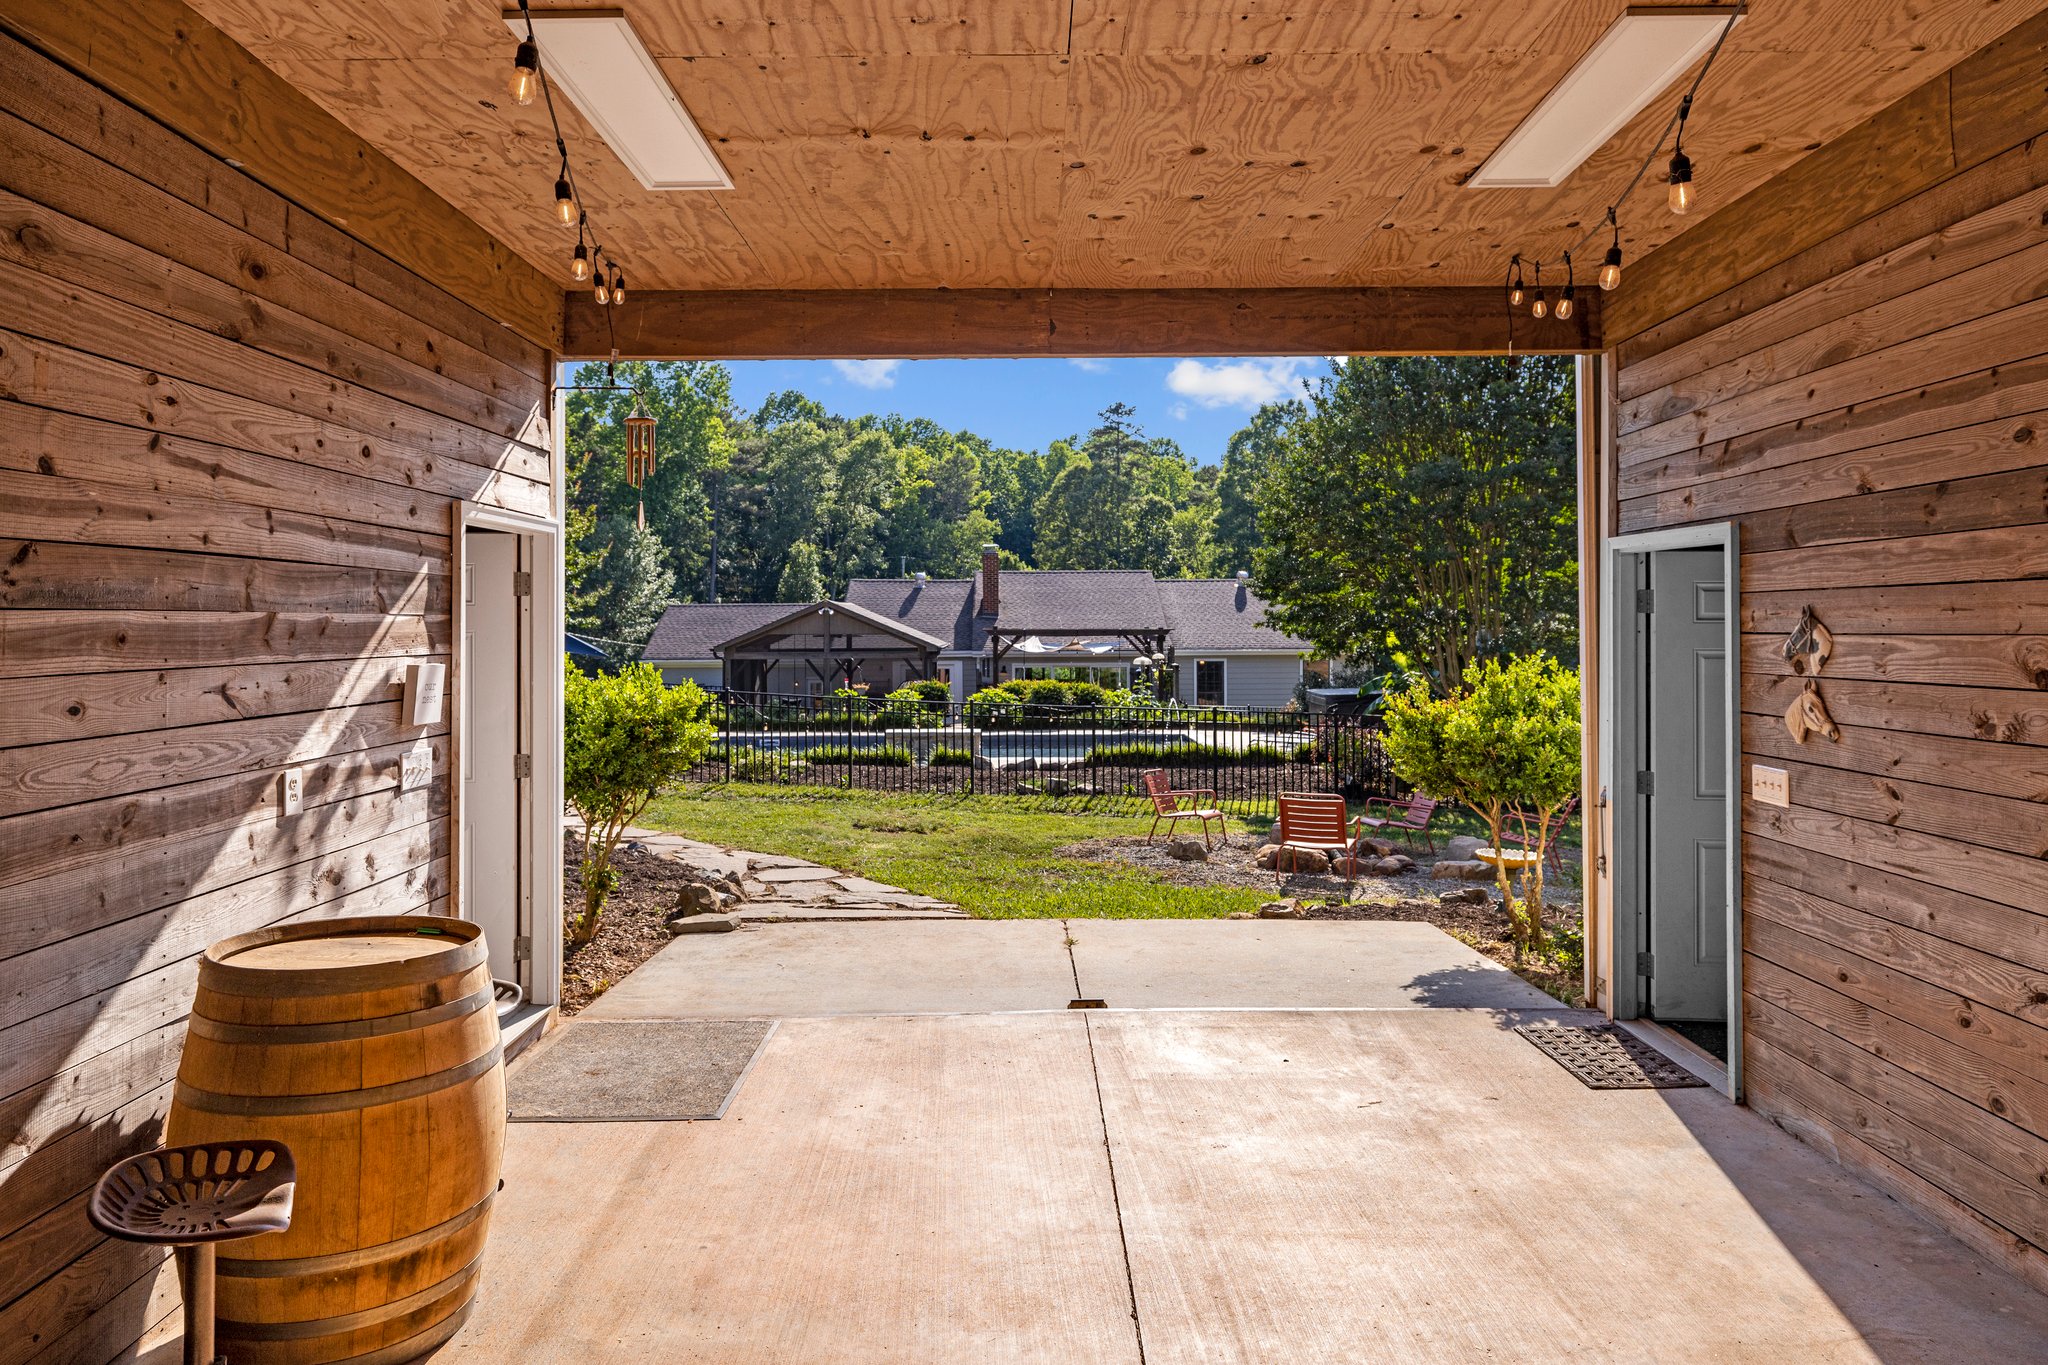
(1808, 646)
(1808, 715)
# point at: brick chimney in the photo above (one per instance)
(991, 582)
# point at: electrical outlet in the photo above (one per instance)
(291, 790)
(1769, 786)
(416, 769)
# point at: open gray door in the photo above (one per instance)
(1687, 734)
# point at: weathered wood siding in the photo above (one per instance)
(1873, 411)
(231, 439)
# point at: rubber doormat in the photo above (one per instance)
(600, 1071)
(1608, 1058)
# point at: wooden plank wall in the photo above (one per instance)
(1873, 411)
(231, 439)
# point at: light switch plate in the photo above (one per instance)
(416, 769)
(1769, 786)
(291, 790)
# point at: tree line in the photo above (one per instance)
(1405, 514)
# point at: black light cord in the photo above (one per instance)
(1677, 121)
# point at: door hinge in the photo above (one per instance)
(1646, 601)
(522, 948)
(522, 584)
(1646, 964)
(1646, 783)
(522, 765)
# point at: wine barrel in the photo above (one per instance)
(369, 1046)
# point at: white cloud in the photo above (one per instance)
(1090, 365)
(1243, 384)
(1179, 412)
(869, 374)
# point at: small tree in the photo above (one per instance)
(1509, 739)
(624, 738)
(801, 579)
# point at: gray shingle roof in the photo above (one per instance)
(688, 630)
(1220, 613)
(943, 607)
(1079, 601)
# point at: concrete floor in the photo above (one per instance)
(1315, 1142)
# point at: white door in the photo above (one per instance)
(1688, 801)
(491, 781)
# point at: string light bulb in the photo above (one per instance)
(1517, 291)
(1539, 307)
(1568, 300)
(579, 264)
(1610, 267)
(1682, 193)
(565, 200)
(618, 286)
(525, 81)
(602, 291)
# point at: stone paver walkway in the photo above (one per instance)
(785, 890)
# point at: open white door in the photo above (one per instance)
(495, 771)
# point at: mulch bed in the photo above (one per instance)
(629, 932)
(1412, 897)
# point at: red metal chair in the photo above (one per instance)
(1166, 805)
(1553, 835)
(1316, 824)
(1412, 815)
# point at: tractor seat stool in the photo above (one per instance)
(188, 1198)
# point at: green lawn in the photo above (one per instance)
(991, 855)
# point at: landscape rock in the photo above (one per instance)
(695, 898)
(1263, 859)
(703, 924)
(1299, 860)
(1461, 848)
(1057, 786)
(1465, 895)
(1281, 910)
(1469, 871)
(1379, 848)
(1030, 789)
(1188, 850)
(1392, 867)
(1242, 914)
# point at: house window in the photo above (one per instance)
(1208, 682)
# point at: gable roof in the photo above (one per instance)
(943, 607)
(853, 615)
(1220, 613)
(1080, 601)
(688, 631)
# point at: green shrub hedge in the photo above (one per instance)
(1142, 753)
(945, 756)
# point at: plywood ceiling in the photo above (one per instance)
(1092, 143)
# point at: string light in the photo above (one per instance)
(618, 286)
(579, 264)
(1681, 195)
(565, 198)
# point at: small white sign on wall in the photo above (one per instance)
(416, 769)
(424, 684)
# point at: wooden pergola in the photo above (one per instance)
(286, 302)
(829, 641)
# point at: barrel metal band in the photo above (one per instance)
(332, 1102)
(346, 1322)
(465, 949)
(416, 1346)
(234, 1267)
(342, 1030)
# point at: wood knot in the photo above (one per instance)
(2024, 436)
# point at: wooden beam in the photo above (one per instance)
(162, 57)
(961, 323)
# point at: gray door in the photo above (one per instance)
(1688, 735)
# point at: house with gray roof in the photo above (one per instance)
(1206, 639)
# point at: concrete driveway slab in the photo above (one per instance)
(1288, 964)
(871, 967)
(881, 1192)
(1421, 1185)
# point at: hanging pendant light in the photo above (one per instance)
(1517, 291)
(565, 198)
(1539, 306)
(618, 286)
(1569, 299)
(524, 83)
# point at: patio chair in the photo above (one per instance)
(1166, 805)
(1553, 835)
(1408, 815)
(1315, 824)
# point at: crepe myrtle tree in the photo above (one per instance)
(625, 736)
(1507, 741)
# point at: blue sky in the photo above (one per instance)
(1029, 403)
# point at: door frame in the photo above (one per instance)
(540, 731)
(1622, 665)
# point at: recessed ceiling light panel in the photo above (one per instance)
(1637, 59)
(594, 57)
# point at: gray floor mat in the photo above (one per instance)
(598, 1071)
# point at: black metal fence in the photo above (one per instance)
(1058, 753)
